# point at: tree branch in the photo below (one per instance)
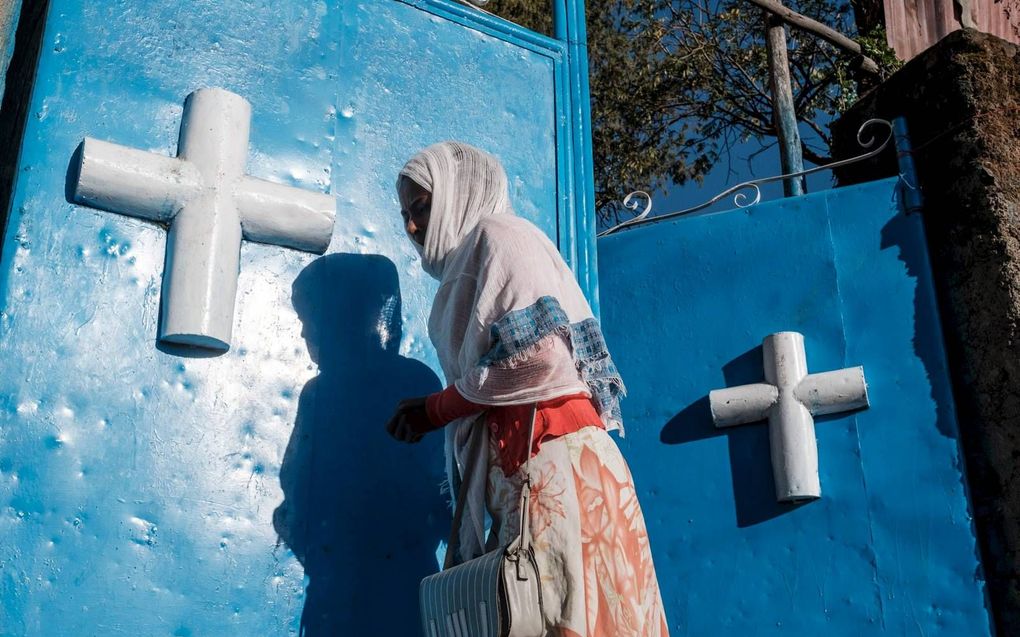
(817, 128)
(813, 157)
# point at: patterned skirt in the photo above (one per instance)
(588, 535)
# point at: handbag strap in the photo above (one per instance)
(458, 514)
(525, 527)
(453, 545)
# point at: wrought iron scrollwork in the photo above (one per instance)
(752, 189)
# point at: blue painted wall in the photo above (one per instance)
(147, 491)
(889, 549)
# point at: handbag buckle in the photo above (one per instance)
(514, 557)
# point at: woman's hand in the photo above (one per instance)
(410, 421)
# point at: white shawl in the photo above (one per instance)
(509, 322)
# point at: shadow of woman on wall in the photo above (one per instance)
(362, 512)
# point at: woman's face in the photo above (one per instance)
(415, 208)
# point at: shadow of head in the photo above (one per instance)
(349, 306)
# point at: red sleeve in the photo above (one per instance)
(448, 405)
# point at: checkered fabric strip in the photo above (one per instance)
(520, 329)
(597, 368)
(606, 387)
(586, 337)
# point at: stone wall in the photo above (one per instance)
(961, 100)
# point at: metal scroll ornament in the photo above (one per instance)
(748, 193)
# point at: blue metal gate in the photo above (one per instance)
(148, 490)
(889, 548)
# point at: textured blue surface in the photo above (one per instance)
(889, 549)
(145, 491)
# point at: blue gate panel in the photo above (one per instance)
(889, 548)
(146, 490)
(411, 78)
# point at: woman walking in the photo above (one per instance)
(512, 329)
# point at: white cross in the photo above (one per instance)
(209, 203)
(788, 399)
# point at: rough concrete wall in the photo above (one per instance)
(961, 99)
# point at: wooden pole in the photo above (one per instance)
(784, 115)
(815, 27)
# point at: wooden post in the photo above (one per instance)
(818, 29)
(784, 115)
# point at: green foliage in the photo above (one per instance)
(534, 14)
(848, 85)
(876, 46)
(676, 83)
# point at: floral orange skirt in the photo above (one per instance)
(589, 537)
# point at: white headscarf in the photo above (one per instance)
(495, 268)
(467, 184)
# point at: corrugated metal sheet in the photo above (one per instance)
(915, 25)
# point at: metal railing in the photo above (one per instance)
(740, 199)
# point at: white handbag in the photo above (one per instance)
(496, 595)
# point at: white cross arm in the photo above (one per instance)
(833, 392)
(133, 182)
(822, 393)
(282, 215)
(741, 405)
(142, 184)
